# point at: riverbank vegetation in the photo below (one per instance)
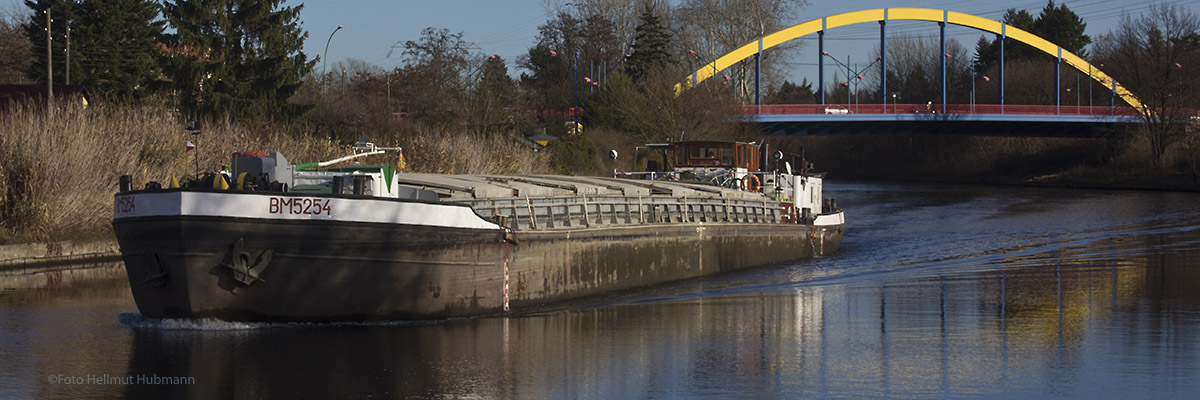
(600, 76)
(59, 173)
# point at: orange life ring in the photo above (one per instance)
(750, 183)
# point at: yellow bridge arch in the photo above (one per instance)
(904, 14)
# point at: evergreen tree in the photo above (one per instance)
(1061, 26)
(1020, 19)
(494, 80)
(983, 56)
(651, 45)
(1023, 20)
(237, 58)
(791, 93)
(494, 96)
(548, 81)
(114, 48)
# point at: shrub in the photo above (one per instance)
(571, 154)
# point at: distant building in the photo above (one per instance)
(36, 95)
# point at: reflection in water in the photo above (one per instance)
(1084, 330)
(940, 291)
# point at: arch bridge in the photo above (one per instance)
(1056, 120)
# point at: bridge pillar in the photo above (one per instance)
(1057, 84)
(1000, 83)
(821, 62)
(758, 74)
(942, 26)
(882, 59)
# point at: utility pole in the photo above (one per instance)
(68, 70)
(49, 68)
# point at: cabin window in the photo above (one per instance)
(701, 152)
(702, 155)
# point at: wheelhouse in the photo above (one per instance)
(717, 154)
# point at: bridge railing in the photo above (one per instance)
(836, 109)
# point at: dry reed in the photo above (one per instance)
(58, 175)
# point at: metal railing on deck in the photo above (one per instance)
(526, 213)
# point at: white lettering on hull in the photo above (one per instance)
(298, 208)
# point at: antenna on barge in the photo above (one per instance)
(362, 148)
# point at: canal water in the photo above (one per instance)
(938, 291)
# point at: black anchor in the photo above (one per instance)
(239, 264)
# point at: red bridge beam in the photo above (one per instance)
(836, 109)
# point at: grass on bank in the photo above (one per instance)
(58, 175)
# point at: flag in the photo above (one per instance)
(190, 146)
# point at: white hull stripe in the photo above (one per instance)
(830, 219)
(295, 208)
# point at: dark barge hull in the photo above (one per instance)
(339, 271)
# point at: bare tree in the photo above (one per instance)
(433, 79)
(915, 69)
(15, 55)
(712, 28)
(651, 111)
(569, 51)
(621, 14)
(1156, 57)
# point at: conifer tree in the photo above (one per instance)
(113, 45)
(1061, 26)
(791, 93)
(495, 93)
(237, 58)
(651, 45)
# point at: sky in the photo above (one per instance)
(372, 28)
(508, 28)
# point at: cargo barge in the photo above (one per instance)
(271, 241)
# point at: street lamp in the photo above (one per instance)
(850, 72)
(895, 108)
(325, 58)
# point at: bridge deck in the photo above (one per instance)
(958, 119)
